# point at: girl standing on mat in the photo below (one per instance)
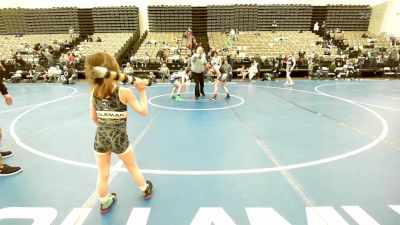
(290, 64)
(108, 108)
(178, 79)
(221, 81)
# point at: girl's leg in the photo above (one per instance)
(103, 163)
(216, 84)
(289, 78)
(178, 92)
(173, 91)
(225, 88)
(129, 160)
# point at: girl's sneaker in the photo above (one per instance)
(105, 209)
(149, 190)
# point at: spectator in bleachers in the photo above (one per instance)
(64, 74)
(160, 56)
(166, 47)
(242, 71)
(365, 35)
(37, 47)
(373, 59)
(398, 71)
(350, 69)
(244, 56)
(71, 59)
(71, 75)
(327, 51)
(310, 69)
(146, 60)
(371, 42)
(332, 67)
(71, 32)
(50, 58)
(51, 49)
(357, 71)
(189, 31)
(176, 59)
(128, 70)
(323, 29)
(38, 71)
(189, 37)
(19, 62)
(253, 69)
(302, 58)
(274, 25)
(276, 70)
(312, 57)
(194, 43)
(98, 39)
(164, 72)
(394, 41)
(316, 28)
(361, 58)
(153, 41)
(224, 31)
(232, 35)
(52, 74)
(147, 43)
(64, 59)
(177, 49)
(152, 77)
(89, 38)
(381, 60)
(68, 75)
(134, 60)
(31, 72)
(394, 58)
(228, 43)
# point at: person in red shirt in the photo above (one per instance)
(71, 59)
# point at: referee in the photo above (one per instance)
(198, 62)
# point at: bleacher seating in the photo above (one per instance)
(170, 38)
(10, 45)
(38, 21)
(114, 43)
(355, 39)
(169, 18)
(348, 17)
(115, 19)
(268, 44)
(118, 27)
(253, 17)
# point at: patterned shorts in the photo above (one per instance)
(114, 139)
